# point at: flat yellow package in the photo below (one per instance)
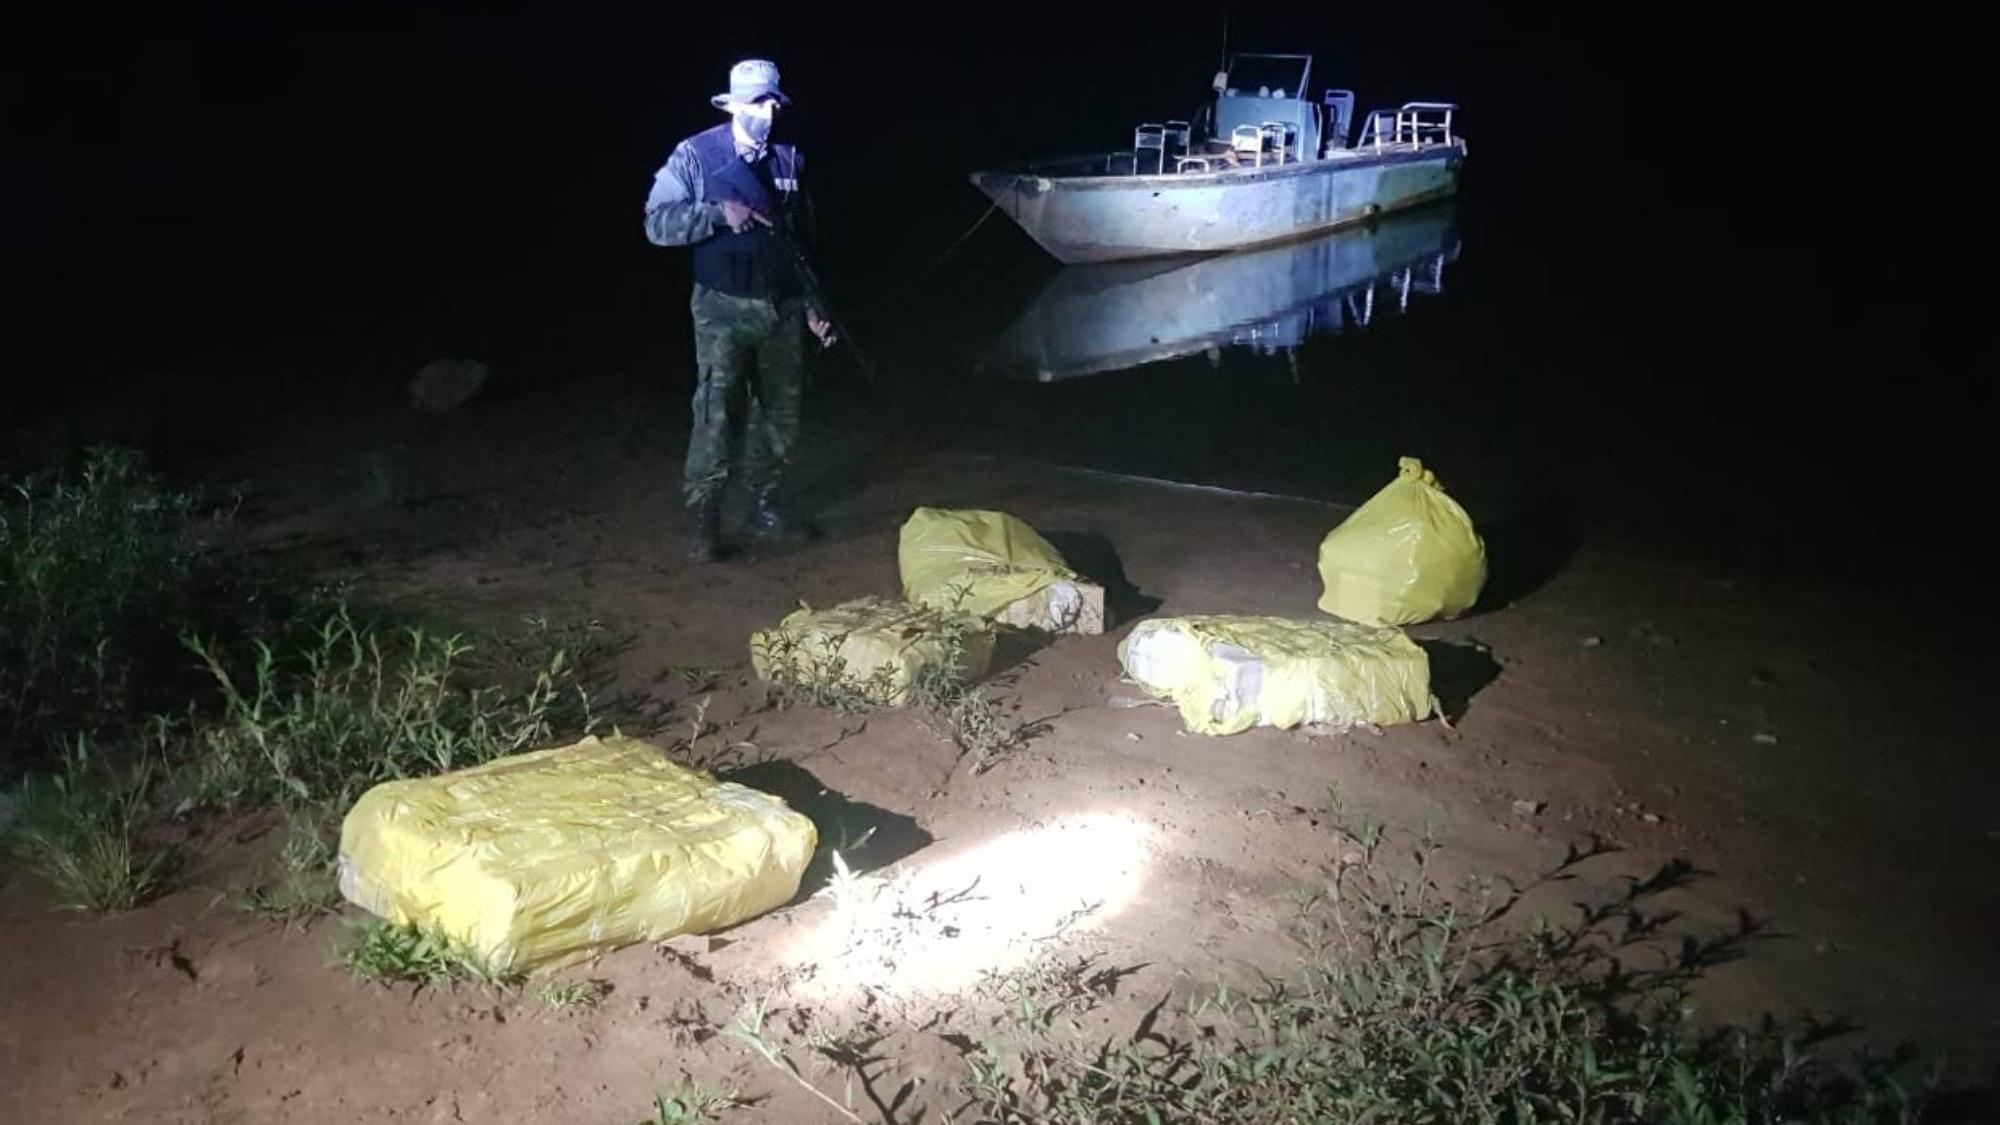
(873, 646)
(1408, 555)
(1228, 674)
(976, 561)
(547, 858)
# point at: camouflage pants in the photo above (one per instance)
(750, 361)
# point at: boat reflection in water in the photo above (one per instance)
(1097, 318)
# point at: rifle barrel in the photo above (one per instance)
(781, 228)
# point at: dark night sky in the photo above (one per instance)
(208, 172)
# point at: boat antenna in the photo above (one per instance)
(1225, 37)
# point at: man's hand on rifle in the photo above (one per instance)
(821, 328)
(740, 215)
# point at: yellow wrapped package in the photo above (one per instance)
(546, 858)
(1228, 674)
(1408, 555)
(994, 566)
(870, 645)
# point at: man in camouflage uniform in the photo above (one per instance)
(725, 192)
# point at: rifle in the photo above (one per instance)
(778, 224)
(781, 229)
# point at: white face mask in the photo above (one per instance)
(754, 121)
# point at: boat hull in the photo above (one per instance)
(1089, 218)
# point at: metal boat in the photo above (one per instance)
(1261, 163)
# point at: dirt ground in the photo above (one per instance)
(1799, 745)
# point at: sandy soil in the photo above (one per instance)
(1808, 749)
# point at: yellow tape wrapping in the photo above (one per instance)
(546, 858)
(1228, 674)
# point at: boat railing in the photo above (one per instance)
(1415, 125)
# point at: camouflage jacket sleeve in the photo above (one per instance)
(676, 212)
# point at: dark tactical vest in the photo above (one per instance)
(750, 262)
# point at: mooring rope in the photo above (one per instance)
(960, 241)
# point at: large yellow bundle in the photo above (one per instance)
(1408, 555)
(1228, 674)
(870, 646)
(550, 857)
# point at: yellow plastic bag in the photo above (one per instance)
(871, 646)
(1228, 674)
(546, 858)
(1408, 555)
(976, 561)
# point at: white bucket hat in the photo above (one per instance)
(749, 80)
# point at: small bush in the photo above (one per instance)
(962, 710)
(351, 704)
(95, 571)
(80, 830)
(388, 953)
(813, 672)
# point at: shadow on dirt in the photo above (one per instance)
(1461, 667)
(867, 836)
(1093, 556)
(1524, 550)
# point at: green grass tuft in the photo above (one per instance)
(300, 884)
(572, 995)
(80, 829)
(350, 704)
(689, 1102)
(388, 953)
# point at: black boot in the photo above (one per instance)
(771, 519)
(702, 527)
